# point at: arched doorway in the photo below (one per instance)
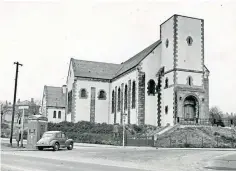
(190, 108)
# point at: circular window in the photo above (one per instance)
(167, 43)
(189, 40)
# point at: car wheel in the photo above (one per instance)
(70, 147)
(40, 148)
(56, 147)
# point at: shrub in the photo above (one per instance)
(97, 133)
(216, 133)
(4, 126)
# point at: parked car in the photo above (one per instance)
(55, 140)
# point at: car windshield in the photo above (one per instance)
(45, 135)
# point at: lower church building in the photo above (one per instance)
(164, 84)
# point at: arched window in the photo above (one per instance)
(54, 114)
(113, 102)
(151, 87)
(102, 95)
(83, 93)
(119, 94)
(190, 81)
(126, 95)
(189, 40)
(166, 83)
(59, 114)
(166, 110)
(133, 94)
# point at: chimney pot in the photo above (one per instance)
(64, 89)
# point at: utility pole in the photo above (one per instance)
(14, 100)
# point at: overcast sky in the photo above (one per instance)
(44, 35)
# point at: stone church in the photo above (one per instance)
(164, 84)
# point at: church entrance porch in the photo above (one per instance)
(190, 106)
(190, 111)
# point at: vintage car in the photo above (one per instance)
(55, 140)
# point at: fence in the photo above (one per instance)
(147, 141)
(193, 141)
(210, 122)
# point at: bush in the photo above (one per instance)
(4, 126)
(97, 133)
(86, 132)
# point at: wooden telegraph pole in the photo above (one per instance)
(14, 100)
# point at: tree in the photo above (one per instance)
(4, 108)
(216, 116)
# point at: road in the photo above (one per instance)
(11, 162)
(130, 159)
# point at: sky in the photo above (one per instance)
(44, 34)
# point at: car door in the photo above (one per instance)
(63, 139)
(59, 139)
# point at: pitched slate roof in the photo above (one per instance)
(103, 70)
(94, 69)
(55, 96)
(135, 60)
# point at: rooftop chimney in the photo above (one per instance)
(18, 101)
(32, 100)
(64, 89)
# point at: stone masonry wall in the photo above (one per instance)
(141, 98)
(121, 103)
(206, 86)
(74, 92)
(92, 104)
(129, 100)
(115, 101)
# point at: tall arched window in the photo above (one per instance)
(113, 102)
(133, 94)
(166, 83)
(83, 93)
(151, 87)
(118, 107)
(54, 114)
(59, 114)
(102, 95)
(126, 95)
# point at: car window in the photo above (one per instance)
(58, 135)
(45, 135)
(63, 135)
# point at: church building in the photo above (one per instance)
(164, 84)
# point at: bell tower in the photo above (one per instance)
(182, 56)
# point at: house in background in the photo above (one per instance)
(33, 109)
(54, 103)
(164, 84)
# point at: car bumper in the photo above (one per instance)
(43, 145)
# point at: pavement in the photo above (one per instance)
(99, 157)
(11, 162)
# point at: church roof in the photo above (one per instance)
(135, 60)
(55, 96)
(93, 69)
(104, 70)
